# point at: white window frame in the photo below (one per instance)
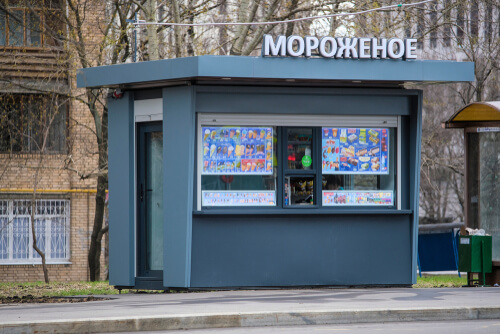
(8, 214)
(280, 120)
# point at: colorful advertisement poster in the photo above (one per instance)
(237, 150)
(355, 150)
(238, 198)
(341, 198)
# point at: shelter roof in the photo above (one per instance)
(476, 113)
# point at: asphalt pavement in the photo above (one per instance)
(252, 308)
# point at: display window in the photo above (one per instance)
(238, 166)
(285, 166)
(358, 166)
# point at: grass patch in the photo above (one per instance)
(441, 281)
(62, 289)
(40, 289)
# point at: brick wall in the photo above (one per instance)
(67, 172)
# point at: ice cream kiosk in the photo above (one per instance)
(299, 167)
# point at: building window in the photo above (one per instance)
(434, 24)
(28, 23)
(420, 26)
(51, 229)
(447, 31)
(488, 24)
(460, 24)
(474, 19)
(24, 119)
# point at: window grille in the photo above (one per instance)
(51, 229)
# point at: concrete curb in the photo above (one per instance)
(253, 319)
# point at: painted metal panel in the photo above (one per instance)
(415, 136)
(121, 191)
(303, 101)
(232, 251)
(275, 68)
(149, 110)
(178, 169)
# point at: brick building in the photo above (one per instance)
(47, 143)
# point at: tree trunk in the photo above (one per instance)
(190, 31)
(291, 25)
(222, 29)
(33, 234)
(151, 30)
(241, 31)
(33, 199)
(177, 30)
(94, 256)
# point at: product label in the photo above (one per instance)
(360, 198)
(237, 150)
(238, 198)
(306, 161)
(355, 150)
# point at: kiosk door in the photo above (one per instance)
(150, 201)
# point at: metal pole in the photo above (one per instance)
(135, 39)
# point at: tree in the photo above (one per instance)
(461, 30)
(28, 123)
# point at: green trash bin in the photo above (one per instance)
(474, 255)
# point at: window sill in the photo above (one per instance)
(33, 263)
(301, 211)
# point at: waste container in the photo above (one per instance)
(474, 256)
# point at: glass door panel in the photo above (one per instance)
(150, 200)
(154, 201)
(299, 148)
(489, 187)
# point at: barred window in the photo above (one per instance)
(51, 229)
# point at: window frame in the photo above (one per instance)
(7, 205)
(42, 14)
(283, 121)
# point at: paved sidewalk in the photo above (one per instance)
(143, 312)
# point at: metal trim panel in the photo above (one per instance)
(178, 173)
(296, 120)
(148, 110)
(122, 194)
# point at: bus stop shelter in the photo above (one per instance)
(480, 122)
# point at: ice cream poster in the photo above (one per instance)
(237, 150)
(238, 198)
(355, 150)
(369, 198)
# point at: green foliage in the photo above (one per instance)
(40, 289)
(441, 281)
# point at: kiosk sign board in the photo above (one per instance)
(331, 47)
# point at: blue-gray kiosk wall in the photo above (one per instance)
(247, 247)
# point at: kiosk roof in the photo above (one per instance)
(276, 69)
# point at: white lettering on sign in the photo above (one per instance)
(464, 241)
(337, 47)
(495, 129)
